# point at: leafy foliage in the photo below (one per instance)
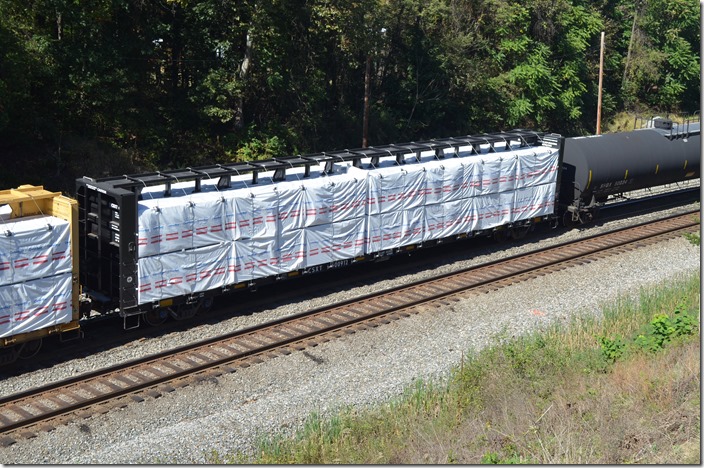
(182, 83)
(493, 458)
(693, 238)
(661, 330)
(612, 349)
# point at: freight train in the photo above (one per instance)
(150, 246)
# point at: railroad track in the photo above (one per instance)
(43, 409)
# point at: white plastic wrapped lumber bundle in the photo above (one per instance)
(397, 196)
(38, 272)
(260, 257)
(448, 179)
(448, 219)
(180, 222)
(33, 247)
(35, 274)
(35, 304)
(395, 188)
(335, 216)
(339, 197)
(249, 232)
(184, 272)
(326, 243)
(531, 202)
(441, 198)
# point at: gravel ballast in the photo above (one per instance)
(369, 367)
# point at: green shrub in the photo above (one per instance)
(661, 330)
(493, 458)
(260, 148)
(611, 350)
(685, 323)
(693, 237)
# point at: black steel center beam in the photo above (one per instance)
(224, 172)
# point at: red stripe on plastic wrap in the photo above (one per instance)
(24, 315)
(40, 259)
(58, 256)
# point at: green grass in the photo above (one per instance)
(623, 389)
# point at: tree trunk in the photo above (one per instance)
(59, 27)
(238, 120)
(630, 47)
(367, 91)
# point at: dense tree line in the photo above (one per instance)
(116, 86)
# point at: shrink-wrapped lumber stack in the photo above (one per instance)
(36, 263)
(197, 241)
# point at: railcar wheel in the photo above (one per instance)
(155, 317)
(184, 311)
(593, 214)
(205, 305)
(518, 233)
(567, 220)
(500, 235)
(29, 349)
(8, 355)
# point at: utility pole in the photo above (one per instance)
(601, 80)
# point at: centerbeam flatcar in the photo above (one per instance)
(168, 241)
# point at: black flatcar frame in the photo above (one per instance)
(108, 222)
